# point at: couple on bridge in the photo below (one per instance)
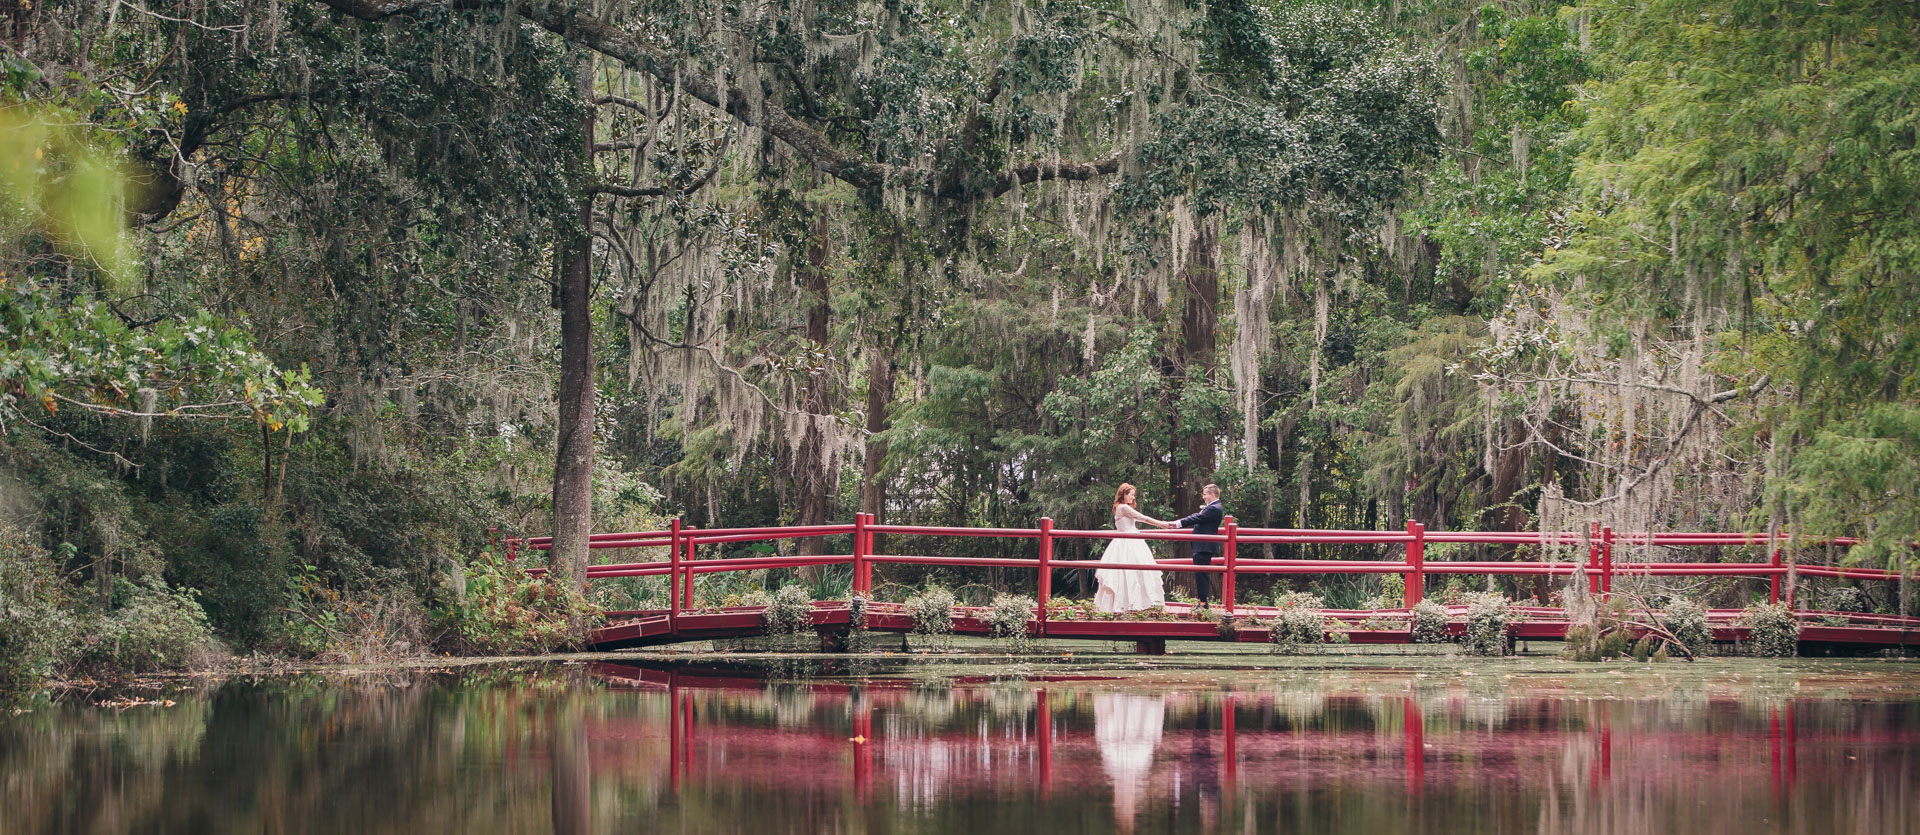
(1127, 590)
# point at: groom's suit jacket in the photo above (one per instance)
(1207, 521)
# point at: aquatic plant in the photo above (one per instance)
(1429, 623)
(1772, 630)
(1298, 622)
(1581, 643)
(1643, 648)
(1487, 616)
(790, 610)
(1007, 619)
(1625, 624)
(932, 613)
(1687, 620)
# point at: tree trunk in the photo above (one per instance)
(572, 770)
(1502, 514)
(1196, 349)
(814, 482)
(573, 461)
(1509, 466)
(873, 482)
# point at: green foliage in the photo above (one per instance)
(1487, 616)
(1582, 643)
(78, 354)
(1429, 624)
(1843, 599)
(1008, 617)
(932, 612)
(1298, 622)
(1744, 178)
(1393, 591)
(1772, 630)
(1341, 124)
(789, 611)
(156, 629)
(1687, 620)
(47, 630)
(61, 183)
(1613, 644)
(35, 628)
(503, 611)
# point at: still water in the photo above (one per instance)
(1088, 744)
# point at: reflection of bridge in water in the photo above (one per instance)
(916, 744)
(683, 564)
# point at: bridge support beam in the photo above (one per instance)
(1046, 571)
(1231, 554)
(1416, 575)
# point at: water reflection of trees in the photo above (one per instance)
(375, 755)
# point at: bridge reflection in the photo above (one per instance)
(916, 744)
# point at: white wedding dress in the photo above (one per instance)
(1127, 729)
(1126, 590)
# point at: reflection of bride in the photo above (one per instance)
(1127, 728)
(1126, 590)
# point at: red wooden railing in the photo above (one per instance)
(1600, 568)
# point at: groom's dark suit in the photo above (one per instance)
(1207, 521)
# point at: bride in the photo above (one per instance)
(1126, 590)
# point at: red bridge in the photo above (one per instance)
(681, 621)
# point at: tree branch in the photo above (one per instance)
(719, 156)
(623, 101)
(1034, 172)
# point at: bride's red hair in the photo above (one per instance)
(1120, 495)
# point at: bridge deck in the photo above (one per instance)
(628, 630)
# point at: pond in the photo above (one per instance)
(1092, 742)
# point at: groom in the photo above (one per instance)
(1207, 521)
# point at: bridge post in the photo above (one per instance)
(1230, 756)
(1231, 553)
(1773, 580)
(1416, 573)
(673, 573)
(1606, 561)
(686, 591)
(1043, 728)
(1414, 728)
(860, 582)
(1593, 558)
(1046, 570)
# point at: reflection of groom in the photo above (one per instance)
(1207, 521)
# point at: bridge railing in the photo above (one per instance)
(1600, 568)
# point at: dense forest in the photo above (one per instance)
(303, 304)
